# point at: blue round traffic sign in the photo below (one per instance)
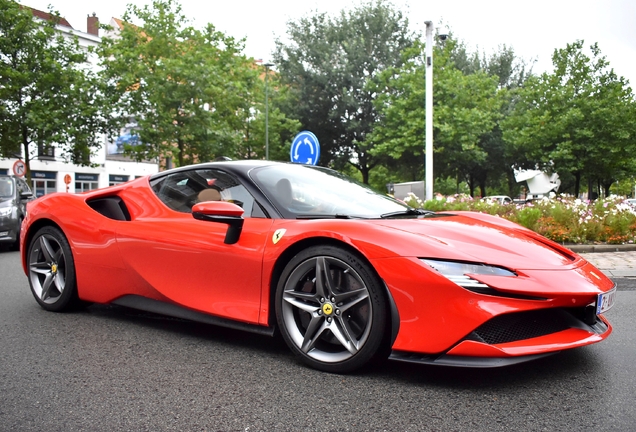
(305, 149)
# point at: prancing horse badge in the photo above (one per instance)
(278, 234)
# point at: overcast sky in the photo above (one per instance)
(533, 29)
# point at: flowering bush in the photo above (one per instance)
(561, 219)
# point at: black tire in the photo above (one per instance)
(331, 309)
(52, 270)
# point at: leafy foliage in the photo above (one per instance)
(328, 66)
(190, 91)
(281, 129)
(564, 220)
(47, 93)
(579, 119)
(466, 107)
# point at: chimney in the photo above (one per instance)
(92, 25)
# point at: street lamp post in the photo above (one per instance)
(429, 111)
(267, 66)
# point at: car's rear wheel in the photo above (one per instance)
(52, 270)
(331, 309)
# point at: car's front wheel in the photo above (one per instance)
(52, 270)
(331, 310)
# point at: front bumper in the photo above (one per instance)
(517, 338)
(464, 361)
(9, 229)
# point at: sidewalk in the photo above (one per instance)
(613, 264)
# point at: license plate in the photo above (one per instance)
(605, 301)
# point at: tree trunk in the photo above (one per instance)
(510, 176)
(181, 149)
(471, 185)
(577, 184)
(365, 174)
(591, 194)
(27, 156)
(482, 188)
(458, 182)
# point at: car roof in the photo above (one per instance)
(239, 167)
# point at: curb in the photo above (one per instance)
(587, 248)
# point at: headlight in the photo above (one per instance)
(456, 272)
(6, 211)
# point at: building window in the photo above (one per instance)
(46, 152)
(86, 182)
(43, 187)
(84, 186)
(43, 182)
(117, 179)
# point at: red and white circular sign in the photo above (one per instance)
(19, 168)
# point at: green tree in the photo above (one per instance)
(190, 91)
(328, 64)
(466, 107)
(281, 129)
(48, 95)
(511, 72)
(579, 119)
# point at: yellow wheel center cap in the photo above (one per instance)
(327, 308)
(54, 268)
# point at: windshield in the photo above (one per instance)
(303, 191)
(6, 188)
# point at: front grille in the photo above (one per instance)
(523, 325)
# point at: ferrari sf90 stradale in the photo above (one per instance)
(347, 275)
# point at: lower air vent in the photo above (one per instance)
(524, 325)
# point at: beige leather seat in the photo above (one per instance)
(209, 195)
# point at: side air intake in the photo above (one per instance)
(112, 207)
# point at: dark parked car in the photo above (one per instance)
(14, 194)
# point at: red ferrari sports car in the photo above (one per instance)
(347, 275)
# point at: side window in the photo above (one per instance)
(22, 186)
(180, 191)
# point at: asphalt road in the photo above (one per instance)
(108, 368)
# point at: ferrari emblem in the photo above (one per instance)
(327, 309)
(278, 234)
(54, 268)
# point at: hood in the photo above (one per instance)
(6, 201)
(488, 240)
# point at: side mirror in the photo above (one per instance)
(222, 212)
(26, 195)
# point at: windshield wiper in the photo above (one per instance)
(328, 216)
(407, 212)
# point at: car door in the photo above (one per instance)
(186, 260)
(23, 195)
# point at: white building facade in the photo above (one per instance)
(49, 171)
